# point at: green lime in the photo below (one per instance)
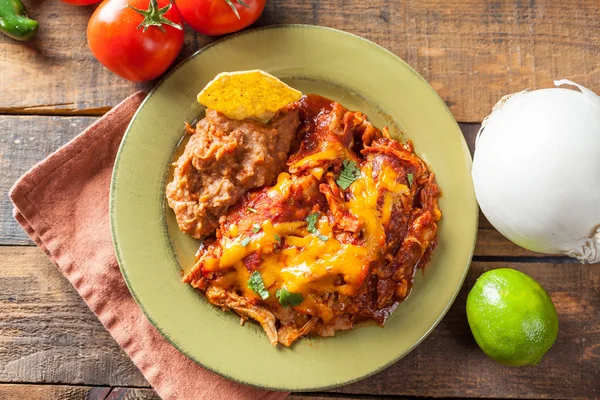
(512, 317)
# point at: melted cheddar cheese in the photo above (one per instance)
(331, 151)
(305, 263)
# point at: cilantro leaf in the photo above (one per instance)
(252, 209)
(348, 174)
(410, 178)
(286, 297)
(245, 241)
(311, 220)
(255, 228)
(277, 238)
(256, 284)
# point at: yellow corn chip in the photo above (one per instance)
(247, 94)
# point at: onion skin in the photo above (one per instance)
(536, 171)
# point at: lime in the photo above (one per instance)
(512, 317)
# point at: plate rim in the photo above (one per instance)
(113, 223)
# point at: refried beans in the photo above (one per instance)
(222, 161)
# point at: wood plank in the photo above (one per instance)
(337, 396)
(45, 392)
(132, 394)
(471, 51)
(343, 396)
(55, 72)
(63, 392)
(49, 335)
(26, 140)
(449, 363)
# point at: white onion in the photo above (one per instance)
(536, 170)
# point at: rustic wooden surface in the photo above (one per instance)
(50, 336)
(472, 52)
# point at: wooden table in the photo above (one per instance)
(471, 51)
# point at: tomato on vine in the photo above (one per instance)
(218, 17)
(136, 39)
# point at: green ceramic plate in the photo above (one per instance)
(151, 251)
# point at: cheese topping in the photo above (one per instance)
(304, 262)
(282, 187)
(329, 154)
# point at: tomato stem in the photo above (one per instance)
(154, 16)
(240, 2)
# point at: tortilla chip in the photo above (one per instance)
(247, 94)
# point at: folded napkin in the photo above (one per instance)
(62, 203)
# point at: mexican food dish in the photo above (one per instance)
(312, 219)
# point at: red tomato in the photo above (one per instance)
(81, 2)
(136, 39)
(217, 17)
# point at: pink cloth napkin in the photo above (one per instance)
(62, 203)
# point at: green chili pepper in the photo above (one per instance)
(14, 21)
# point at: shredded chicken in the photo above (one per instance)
(288, 334)
(355, 260)
(230, 300)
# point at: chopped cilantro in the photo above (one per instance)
(286, 297)
(252, 209)
(348, 174)
(256, 284)
(410, 178)
(245, 241)
(277, 238)
(311, 220)
(255, 228)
